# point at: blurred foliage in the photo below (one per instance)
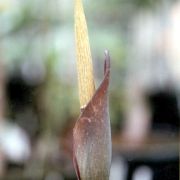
(42, 31)
(57, 99)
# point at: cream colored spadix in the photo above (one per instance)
(83, 56)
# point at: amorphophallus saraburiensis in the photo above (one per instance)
(92, 132)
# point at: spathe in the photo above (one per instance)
(92, 134)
